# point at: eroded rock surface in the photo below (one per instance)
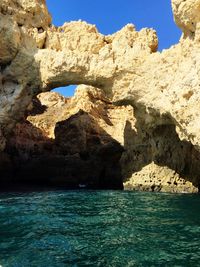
(163, 88)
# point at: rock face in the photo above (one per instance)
(86, 140)
(161, 138)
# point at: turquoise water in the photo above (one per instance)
(99, 228)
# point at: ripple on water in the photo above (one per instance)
(99, 228)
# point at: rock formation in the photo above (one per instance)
(69, 142)
(86, 140)
(162, 88)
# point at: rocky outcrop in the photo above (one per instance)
(162, 88)
(186, 14)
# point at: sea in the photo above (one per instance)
(99, 228)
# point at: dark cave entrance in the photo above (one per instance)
(79, 155)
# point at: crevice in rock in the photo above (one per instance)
(4, 66)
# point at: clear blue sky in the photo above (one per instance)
(111, 15)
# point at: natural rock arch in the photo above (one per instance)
(36, 57)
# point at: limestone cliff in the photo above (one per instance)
(162, 88)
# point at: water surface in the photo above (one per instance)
(99, 228)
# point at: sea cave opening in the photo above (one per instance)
(64, 142)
